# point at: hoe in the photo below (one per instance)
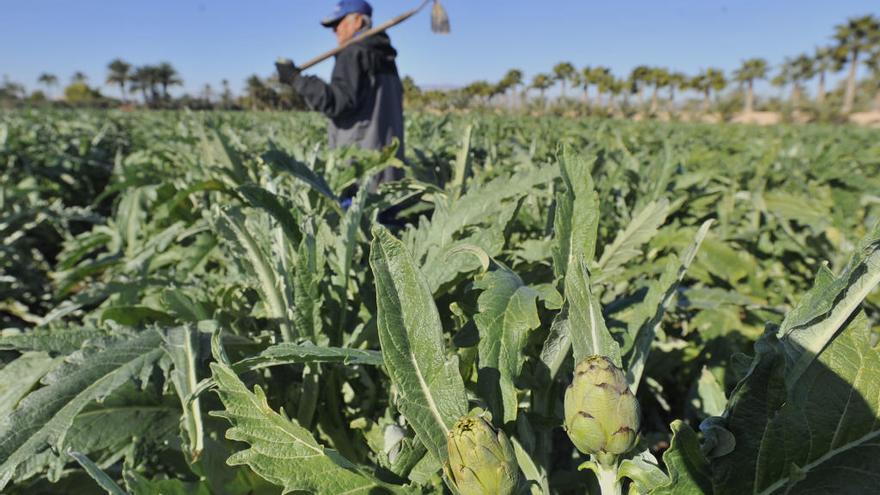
(439, 24)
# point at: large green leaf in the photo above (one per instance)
(689, 472)
(54, 339)
(815, 321)
(508, 311)
(479, 218)
(806, 414)
(651, 311)
(576, 220)
(589, 335)
(43, 418)
(818, 434)
(627, 245)
(20, 376)
(182, 345)
(288, 353)
(271, 280)
(430, 390)
(279, 449)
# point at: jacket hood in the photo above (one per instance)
(381, 44)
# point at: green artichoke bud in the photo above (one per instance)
(481, 459)
(601, 413)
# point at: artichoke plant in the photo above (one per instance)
(601, 413)
(481, 459)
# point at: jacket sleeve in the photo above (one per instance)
(341, 95)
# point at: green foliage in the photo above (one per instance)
(187, 308)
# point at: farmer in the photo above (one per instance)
(364, 98)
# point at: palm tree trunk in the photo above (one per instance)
(706, 100)
(563, 89)
(850, 95)
(641, 96)
(820, 95)
(795, 97)
(750, 97)
(586, 95)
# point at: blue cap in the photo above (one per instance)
(345, 7)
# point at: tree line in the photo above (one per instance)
(150, 86)
(855, 42)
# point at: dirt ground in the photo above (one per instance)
(870, 119)
(758, 118)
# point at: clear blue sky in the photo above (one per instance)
(209, 40)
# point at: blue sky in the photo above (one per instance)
(209, 40)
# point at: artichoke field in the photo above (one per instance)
(559, 306)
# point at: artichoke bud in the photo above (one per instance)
(601, 413)
(481, 459)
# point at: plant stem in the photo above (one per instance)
(608, 482)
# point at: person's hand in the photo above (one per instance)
(287, 71)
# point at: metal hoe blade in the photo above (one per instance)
(439, 19)
(439, 24)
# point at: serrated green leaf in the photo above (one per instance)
(828, 306)
(431, 392)
(20, 376)
(589, 335)
(279, 449)
(576, 221)
(288, 353)
(652, 309)
(627, 245)
(271, 281)
(182, 345)
(508, 311)
(43, 418)
(689, 472)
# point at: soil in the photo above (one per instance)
(871, 119)
(758, 118)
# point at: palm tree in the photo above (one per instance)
(707, 81)
(542, 82)
(207, 92)
(751, 70)
(118, 73)
(677, 81)
(659, 78)
(512, 80)
(857, 35)
(226, 96)
(615, 88)
(802, 69)
(637, 77)
(145, 79)
(563, 73)
(823, 61)
(602, 78)
(48, 80)
(79, 78)
(783, 77)
(585, 80)
(257, 92)
(873, 63)
(166, 76)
